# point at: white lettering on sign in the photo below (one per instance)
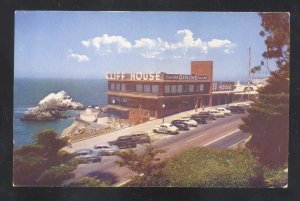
(132, 76)
(139, 76)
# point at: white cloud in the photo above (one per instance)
(185, 46)
(188, 41)
(105, 40)
(86, 43)
(78, 57)
(177, 57)
(215, 43)
(226, 44)
(145, 43)
(152, 55)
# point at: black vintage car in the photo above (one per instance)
(180, 125)
(199, 118)
(236, 109)
(207, 115)
(124, 142)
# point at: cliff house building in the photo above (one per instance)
(139, 96)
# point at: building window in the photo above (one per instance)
(201, 87)
(185, 88)
(112, 86)
(118, 86)
(155, 88)
(147, 88)
(117, 100)
(128, 87)
(173, 89)
(179, 88)
(139, 88)
(191, 88)
(197, 88)
(167, 89)
(123, 87)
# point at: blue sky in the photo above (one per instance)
(89, 44)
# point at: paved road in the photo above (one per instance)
(221, 133)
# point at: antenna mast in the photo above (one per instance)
(249, 75)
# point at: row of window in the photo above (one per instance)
(154, 88)
(117, 100)
(146, 88)
(186, 88)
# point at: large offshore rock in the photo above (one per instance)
(39, 115)
(61, 101)
(49, 107)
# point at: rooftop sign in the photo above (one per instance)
(133, 76)
(223, 86)
(184, 77)
(153, 76)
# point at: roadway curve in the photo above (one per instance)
(221, 133)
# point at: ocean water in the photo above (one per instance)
(28, 92)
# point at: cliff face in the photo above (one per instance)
(49, 107)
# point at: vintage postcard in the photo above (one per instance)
(151, 99)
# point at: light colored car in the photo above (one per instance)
(225, 111)
(106, 149)
(189, 121)
(87, 156)
(140, 137)
(166, 128)
(217, 113)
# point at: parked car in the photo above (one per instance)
(87, 156)
(140, 137)
(207, 115)
(189, 121)
(124, 142)
(217, 113)
(224, 110)
(166, 128)
(236, 109)
(244, 106)
(199, 119)
(182, 126)
(106, 149)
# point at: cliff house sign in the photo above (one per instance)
(133, 76)
(153, 76)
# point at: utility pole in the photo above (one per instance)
(249, 75)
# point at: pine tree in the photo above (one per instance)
(268, 117)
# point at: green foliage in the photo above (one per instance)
(56, 174)
(26, 168)
(145, 165)
(31, 161)
(202, 167)
(90, 182)
(268, 116)
(275, 178)
(198, 167)
(49, 139)
(277, 35)
(255, 69)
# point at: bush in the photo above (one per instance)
(33, 160)
(202, 167)
(276, 178)
(56, 175)
(90, 182)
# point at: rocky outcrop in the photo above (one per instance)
(38, 115)
(59, 101)
(49, 108)
(79, 127)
